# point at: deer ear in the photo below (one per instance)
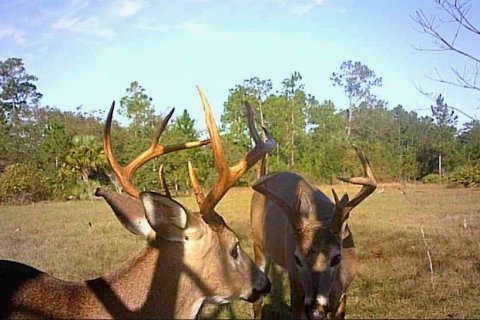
(169, 218)
(295, 197)
(267, 185)
(161, 210)
(305, 208)
(128, 210)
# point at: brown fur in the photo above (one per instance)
(290, 217)
(167, 279)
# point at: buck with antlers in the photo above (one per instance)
(297, 226)
(191, 257)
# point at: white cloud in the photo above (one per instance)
(193, 26)
(65, 23)
(302, 8)
(8, 32)
(150, 25)
(79, 4)
(94, 26)
(80, 19)
(91, 25)
(127, 8)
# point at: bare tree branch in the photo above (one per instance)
(457, 11)
(431, 28)
(462, 80)
(432, 96)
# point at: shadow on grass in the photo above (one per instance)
(277, 306)
(225, 311)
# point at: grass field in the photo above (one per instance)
(80, 240)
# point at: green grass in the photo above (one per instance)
(80, 240)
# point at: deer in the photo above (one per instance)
(298, 227)
(190, 257)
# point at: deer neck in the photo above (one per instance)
(155, 283)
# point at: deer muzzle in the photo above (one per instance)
(316, 311)
(262, 287)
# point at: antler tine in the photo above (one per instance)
(368, 183)
(197, 188)
(259, 151)
(251, 123)
(215, 139)
(342, 212)
(163, 181)
(161, 128)
(125, 173)
(262, 168)
(228, 176)
(335, 197)
(156, 149)
(120, 171)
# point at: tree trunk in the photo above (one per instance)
(350, 117)
(176, 186)
(440, 165)
(292, 156)
(262, 122)
(349, 125)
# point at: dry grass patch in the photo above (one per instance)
(80, 240)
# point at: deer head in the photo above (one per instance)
(191, 257)
(210, 249)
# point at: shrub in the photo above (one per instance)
(22, 184)
(65, 182)
(467, 175)
(433, 178)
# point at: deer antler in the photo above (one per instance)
(227, 176)
(344, 205)
(125, 173)
(163, 181)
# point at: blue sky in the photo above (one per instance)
(87, 52)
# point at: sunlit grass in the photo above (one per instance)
(81, 240)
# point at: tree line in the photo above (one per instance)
(47, 153)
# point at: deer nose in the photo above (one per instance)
(315, 312)
(262, 288)
(267, 286)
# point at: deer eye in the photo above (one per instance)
(335, 260)
(235, 251)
